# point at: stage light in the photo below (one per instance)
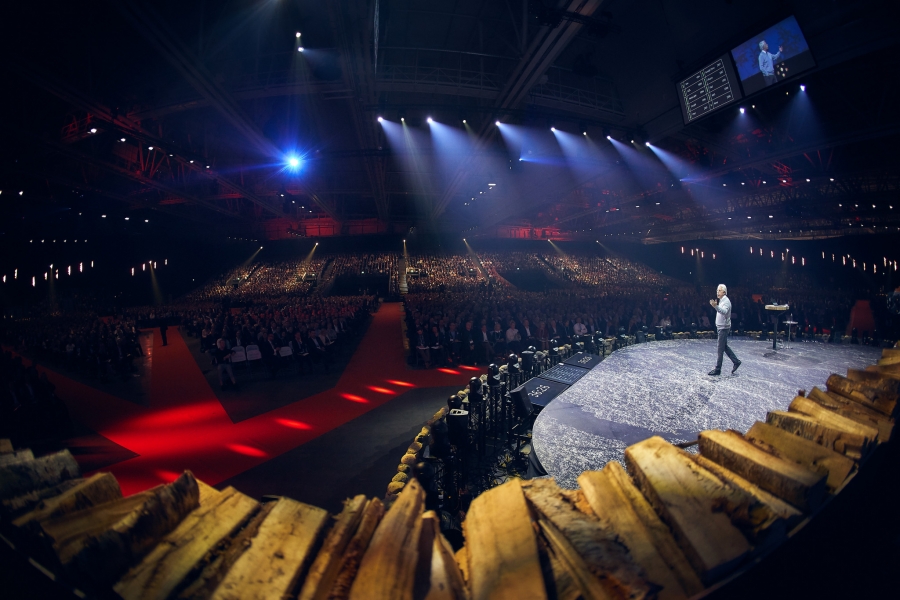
(190, 161)
(584, 132)
(464, 121)
(403, 119)
(497, 123)
(101, 216)
(127, 218)
(802, 88)
(93, 130)
(553, 129)
(298, 34)
(146, 220)
(22, 192)
(647, 144)
(632, 141)
(207, 166)
(430, 120)
(300, 49)
(293, 162)
(381, 119)
(122, 139)
(742, 110)
(150, 148)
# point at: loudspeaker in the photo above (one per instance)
(521, 402)
(458, 423)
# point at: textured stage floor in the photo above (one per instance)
(661, 388)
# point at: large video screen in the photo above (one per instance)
(776, 54)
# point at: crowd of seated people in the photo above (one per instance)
(30, 411)
(604, 274)
(442, 272)
(374, 263)
(99, 348)
(315, 329)
(275, 280)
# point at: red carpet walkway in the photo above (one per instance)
(185, 427)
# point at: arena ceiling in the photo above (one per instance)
(188, 115)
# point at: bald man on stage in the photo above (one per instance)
(723, 325)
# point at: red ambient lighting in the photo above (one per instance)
(382, 390)
(294, 424)
(246, 450)
(469, 368)
(355, 398)
(166, 476)
(449, 371)
(400, 383)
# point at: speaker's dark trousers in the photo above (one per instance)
(723, 348)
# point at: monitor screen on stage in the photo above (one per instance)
(775, 54)
(709, 89)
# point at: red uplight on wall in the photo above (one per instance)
(246, 450)
(294, 424)
(354, 398)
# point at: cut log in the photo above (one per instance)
(570, 560)
(855, 412)
(98, 489)
(207, 492)
(6, 446)
(356, 549)
(11, 458)
(501, 547)
(220, 561)
(839, 440)
(623, 509)
(278, 555)
(13, 507)
(164, 570)
(874, 379)
(768, 506)
(598, 547)
(830, 418)
(815, 457)
(20, 478)
(388, 567)
(881, 398)
(789, 481)
(324, 570)
(446, 581)
(689, 499)
(103, 555)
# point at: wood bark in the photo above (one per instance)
(10, 458)
(325, 568)
(278, 555)
(356, 549)
(688, 498)
(874, 379)
(815, 457)
(855, 412)
(830, 418)
(104, 555)
(20, 478)
(13, 507)
(501, 546)
(598, 547)
(843, 442)
(165, 568)
(388, 567)
(219, 562)
(881, 399)
(569, 559)
(97, 489)
(789, 481)
(620, 506)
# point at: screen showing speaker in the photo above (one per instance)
(773, 55)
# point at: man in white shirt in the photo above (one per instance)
(767, 62)
(723, 325)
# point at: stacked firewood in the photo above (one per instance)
(671, 525)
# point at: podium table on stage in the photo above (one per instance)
(777, 309)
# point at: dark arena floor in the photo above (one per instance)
(662, 388)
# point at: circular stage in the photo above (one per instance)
(662, 388)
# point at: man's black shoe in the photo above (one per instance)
(715, 372)
(735, 367)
